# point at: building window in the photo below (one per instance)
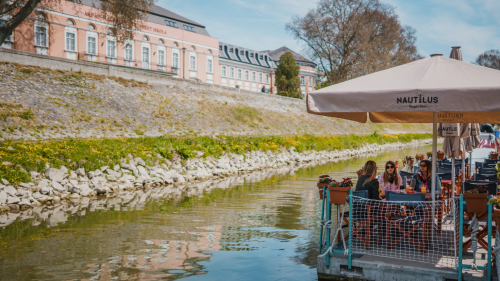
(91, 26)
(128, 52)
(175, 44)
(171, 23)
(9, 37)
(145, 38)
(91, 45)
(267, 78)
(192, 62)
(310, 81)
(302, 80)
(189, 28)
(111, 49)
(175, 60)
(239, 74)
(145, 54)
(70, 41)
(161, 57)
(247, 75)
(70, 22)
(231, 72)
(41, 36)
(160, 42)
(260, 77)
(209, 52)
(253, 76)
(223, 71)
(210, 68)
(192, 48)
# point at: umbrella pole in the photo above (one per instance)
(434, 161)
(453, 177)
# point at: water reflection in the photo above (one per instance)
(262, 225)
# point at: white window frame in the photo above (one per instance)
(247, 75)
(192, 62)
(260, 77)
(224, 71)
(161, 57)
(231, 72)
(144, 53)
(239, 74)
(254, 76)
(210, 65)
(302, 80)
(175, 60)
(69, 40)
(111, 49)
(127, 57)
(310, 81)
(46, 36)
(267, 78)
(91, 50)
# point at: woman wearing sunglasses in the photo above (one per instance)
(424, 178)
(390, 179)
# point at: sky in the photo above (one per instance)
(260, 24)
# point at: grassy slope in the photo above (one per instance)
(20, 157)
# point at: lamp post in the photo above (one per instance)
(183, 62)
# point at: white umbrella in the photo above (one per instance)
(431, 90)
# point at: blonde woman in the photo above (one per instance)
(390, 179)
(368, 181)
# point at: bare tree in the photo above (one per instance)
(124, 15)
(350, 38)
(489, 59)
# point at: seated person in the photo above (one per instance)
(424, 178)
(390, 179)
(368, 180)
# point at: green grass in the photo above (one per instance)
(92, 154)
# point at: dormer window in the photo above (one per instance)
(171, 23)
(261, 57)
(242, 52)
(220, 47)
(189, 28)
(231, 50)
(251, 55)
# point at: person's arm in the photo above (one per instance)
(438, 185)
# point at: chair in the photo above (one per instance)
(491, 186)
(365, 218)
(403, 183)
(408, 175)
(488, 171)
(446, 176)
(489, 161)
(449, 167)
(360, 193)
(479, 177)
(408, 218)
(479, 165)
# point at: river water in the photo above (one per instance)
(262, 226)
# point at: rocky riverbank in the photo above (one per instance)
(133, 180)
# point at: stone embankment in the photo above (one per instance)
(61, 186)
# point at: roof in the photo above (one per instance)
(245, 55)
(276, 54)
(159, 14)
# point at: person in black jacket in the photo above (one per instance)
(368, 181)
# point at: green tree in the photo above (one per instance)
(287, 76)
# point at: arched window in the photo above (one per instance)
(160, 42)
(145, 38)
(110, 32)
(91, 26)
(70, 22)
(40, 16)
(175, 44)
(192, 48)
(209, 52)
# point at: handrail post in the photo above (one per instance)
(490, 211)
(328, 218)
(460, 238)
(322, 219)
(350, 231)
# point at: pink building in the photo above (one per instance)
(169, 43)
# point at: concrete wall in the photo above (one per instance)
(150, 76)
